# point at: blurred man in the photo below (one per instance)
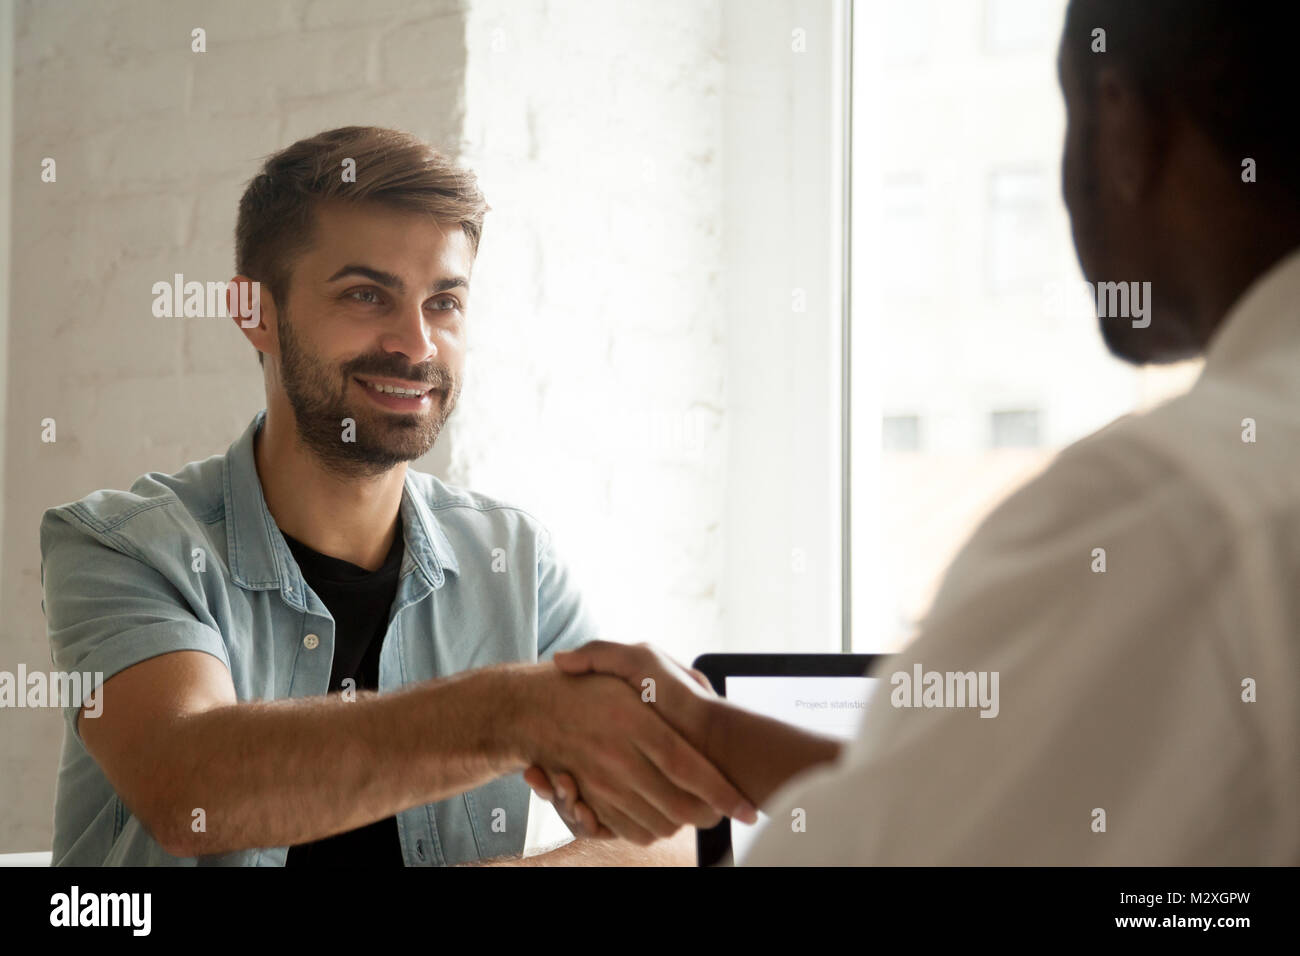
(1140, 600)
(313, 655)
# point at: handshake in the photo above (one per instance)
(628, 744)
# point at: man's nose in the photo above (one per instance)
(410, 333)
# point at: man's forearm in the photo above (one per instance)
(677, 850)
(758, 754)
(276, 773)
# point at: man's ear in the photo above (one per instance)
(252, 307)
(1130, 139)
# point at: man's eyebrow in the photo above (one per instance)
(391, 281)
(386, 279)
(452, 282)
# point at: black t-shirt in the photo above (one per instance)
(360, 602)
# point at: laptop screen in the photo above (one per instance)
(831, 706)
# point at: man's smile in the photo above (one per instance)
(397, 394)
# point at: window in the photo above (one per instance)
(903, 221)
(1016, 26)
(958, 232)
(901, 433)
(1015, 429)
(907, 31)
(1017, 228)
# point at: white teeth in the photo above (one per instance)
(395, 390)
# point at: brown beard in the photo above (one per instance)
(318, 395)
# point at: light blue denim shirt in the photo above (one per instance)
(479, 585)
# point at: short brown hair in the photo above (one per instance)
(277, 212)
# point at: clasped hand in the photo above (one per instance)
(674, 785)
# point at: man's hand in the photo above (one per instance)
(679, 695)
(636, 772)
(561, 791)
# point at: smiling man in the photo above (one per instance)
(314, 655)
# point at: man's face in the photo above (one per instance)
(1078, 172)
(378, 303)
(1119, 213)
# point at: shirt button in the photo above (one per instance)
(311, 642)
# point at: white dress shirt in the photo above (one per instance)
(1119, 691)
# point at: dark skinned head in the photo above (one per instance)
(1158, 128)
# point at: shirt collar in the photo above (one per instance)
(258, 557)
(426, 542)
(1264, 320)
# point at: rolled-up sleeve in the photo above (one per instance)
(106, 610)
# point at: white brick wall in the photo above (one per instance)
(598, 321)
